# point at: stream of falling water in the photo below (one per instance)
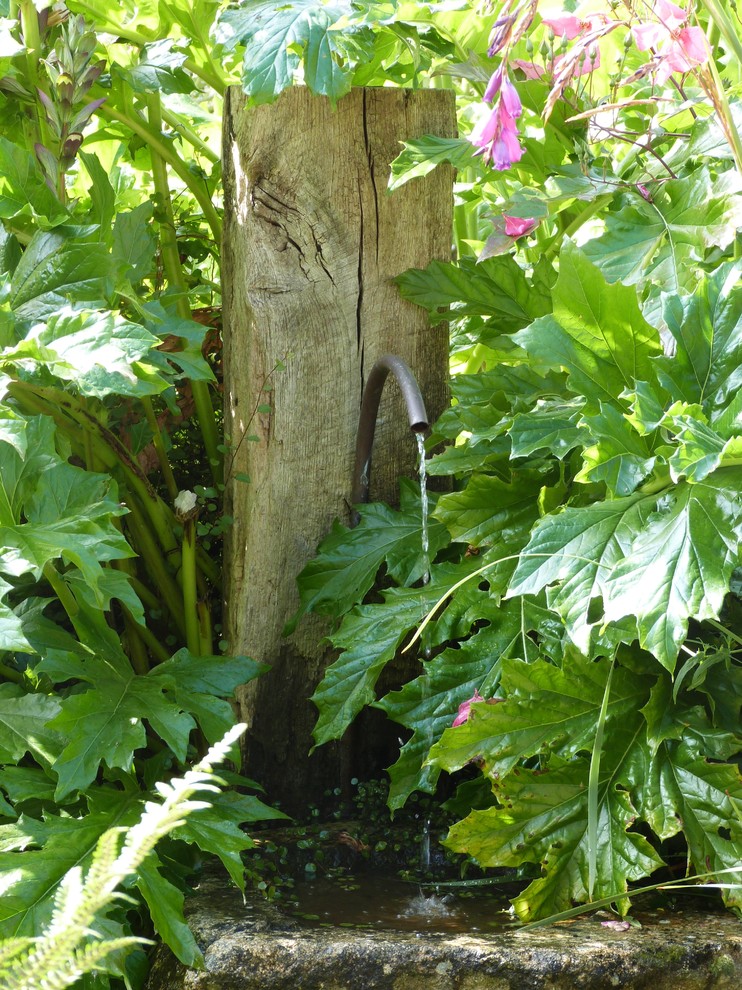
(422, 471)
(425, 544)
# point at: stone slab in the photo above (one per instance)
(256, 947)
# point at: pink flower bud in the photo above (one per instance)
(519, 226)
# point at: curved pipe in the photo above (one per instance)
(416, 413)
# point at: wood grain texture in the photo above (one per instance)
(312, 242)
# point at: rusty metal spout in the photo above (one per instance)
(416, 413)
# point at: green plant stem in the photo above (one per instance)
(159, 445)
(155, 143)
(188, 134)
(63, 593)
(725, 26)
(618, 895)
(206, 634)
(721, 104)
(9, 674)
(593, 786)
(583, 216)
(161, 576)
(212, 78)
(136, 651)
(723, 629)
(71, 416)
(147, 637)
(32, 41)
(217, 83)
(144, 594)
(174, 272)
(190, 596)
(115, 457)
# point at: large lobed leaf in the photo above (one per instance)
(596, 333)
(104, 722)
(664, 240)
(496, 287)
(277, 36)
(369, 638)
(348, 560)
(544, 819)
(664, 558)
(428, 705)
(545, 709)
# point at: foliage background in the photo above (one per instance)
(583, 570)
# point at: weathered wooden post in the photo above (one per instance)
(312, 241)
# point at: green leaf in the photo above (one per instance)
(700, 449)
(664, 558)
(278, 36)
(424, 154)
(428, 705)
(544, 819)
(545, 709)
(490, 511)
(596, 333)
(201, 685)
(56, 271)
(104, 722)
(679, 563)
(22, 467)
(707, 328)
(552, 425)
(25, 726)
(24, 196)
(619, 456)
(572, 552)
(70, 515)
(35, 855)
(348, 560)
(496, 287)
(188, 357)
(99, 352)
(216, 829)
(23, 784)
(101, 192)
(369, 637)
(159, 70)
(664, 240)
(165, 903)
(683, 790)
(134, 243)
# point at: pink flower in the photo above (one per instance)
(509, 97)
(670, 14)
(494, 85)
(565, 26)
(688, 49)
(500, 83)
(519, 226)
(497, 137)
(679, 49)
(529, 69)
(465, 707)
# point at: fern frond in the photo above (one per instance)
(70, 946)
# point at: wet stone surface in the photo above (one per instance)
(258, 947)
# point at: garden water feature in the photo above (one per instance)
(379, 932)
(417, 945)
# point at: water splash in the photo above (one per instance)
(428, 906)
(425, 539)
